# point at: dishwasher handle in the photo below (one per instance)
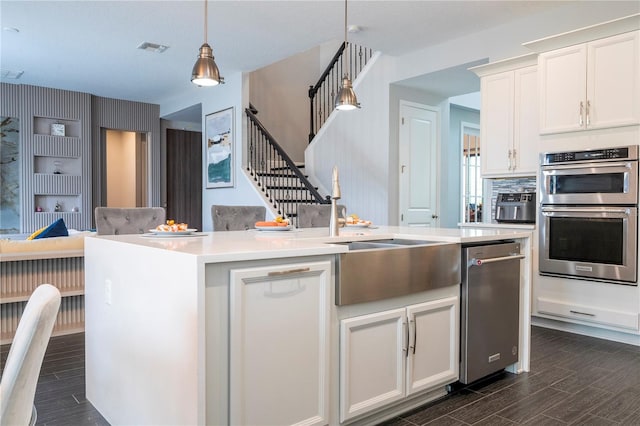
(480, 262)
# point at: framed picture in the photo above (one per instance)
(219, 152)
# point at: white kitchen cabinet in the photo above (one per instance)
(388, 356)
(509, 117)
(279, 344)
(591, 85)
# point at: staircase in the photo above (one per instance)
(281, 181)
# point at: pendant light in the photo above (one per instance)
(346, 99)
(205, 71)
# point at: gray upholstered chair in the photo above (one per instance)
(236, 218)
(317, 215)
(21, 371)
(136, 220)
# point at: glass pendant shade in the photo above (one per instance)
(346, 99)
(205, 71)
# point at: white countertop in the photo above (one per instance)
(215, 247)
(530, 226)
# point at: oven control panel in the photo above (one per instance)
(608, 154)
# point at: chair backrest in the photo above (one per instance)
(135, 220)
(317, 215)
(236, 218)
(21, 371)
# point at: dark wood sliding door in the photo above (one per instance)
(184, 177)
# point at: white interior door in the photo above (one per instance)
(418, 164)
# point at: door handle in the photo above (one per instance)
(434, 216)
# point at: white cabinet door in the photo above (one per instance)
(279, 344)
(591, 85)
(372, 361)
(526, 133)
(509, 123)
(496, 123)
(613, 81)
(387, 356)
(563, 81)
(433, 344)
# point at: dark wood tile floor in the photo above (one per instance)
(573, 380)
(60, 395)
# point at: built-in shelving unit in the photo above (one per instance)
(57, 158)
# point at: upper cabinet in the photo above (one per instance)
(591, 85)
(589, 78)
(509, 117)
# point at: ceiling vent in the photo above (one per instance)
(11, 75)
(152, 47)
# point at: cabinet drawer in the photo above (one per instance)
(628, 320)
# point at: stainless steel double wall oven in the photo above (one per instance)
(589, 214)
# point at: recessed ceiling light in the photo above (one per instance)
(353, 29)
(152, 47)
(12, 75)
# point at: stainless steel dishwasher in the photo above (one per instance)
(489, 311)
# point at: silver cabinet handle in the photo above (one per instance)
(588, 108)
(582, 313)
(412, 344)
(415, 335)
(580, 120)
(515, 164)
(405, 330)
(509, 159)
(480, 262)
(288, 272)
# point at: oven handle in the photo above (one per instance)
(547, 210)
(626, 165)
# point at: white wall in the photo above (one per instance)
(280, 94)
(358, 143)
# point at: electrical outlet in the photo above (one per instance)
(107, 292)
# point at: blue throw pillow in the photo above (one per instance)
(56, 229)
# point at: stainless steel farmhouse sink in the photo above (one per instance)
(382, 269)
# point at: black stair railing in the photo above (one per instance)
(275, 173)
(322, 94)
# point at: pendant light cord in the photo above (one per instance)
(346, 45)
(205, 20)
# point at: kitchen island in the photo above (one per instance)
(242, 328)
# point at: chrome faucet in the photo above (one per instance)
(335, 195)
